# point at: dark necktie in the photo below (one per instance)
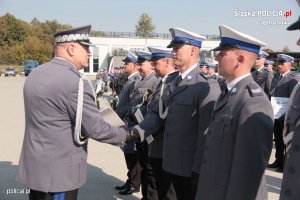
(224, 93)
(256, 72)
(274, 84)
(179, 80)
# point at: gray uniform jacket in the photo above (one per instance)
(123, 107)
(213, 76)
(150, 82)
(206, 106)
(283, 87)
(238, 145)
(186, 115)
(263, 78)
(50, 160)
(291, 176)
(152, 123)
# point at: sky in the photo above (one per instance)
(266, 21)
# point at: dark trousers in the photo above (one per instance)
(149, 190)
(132, 163)
(165, 189)
(279, 144)
(134, 169)
(184, 187)
(68, 195)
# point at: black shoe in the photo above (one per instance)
(122, 187)
(275, 165)
(280, 170)
(128, 190)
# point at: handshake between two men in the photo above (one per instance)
(132, 134)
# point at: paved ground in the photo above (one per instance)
(106, 163)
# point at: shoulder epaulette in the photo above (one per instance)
(136, 78)
(203, 76)
(254, 90)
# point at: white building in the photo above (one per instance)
(108, 47)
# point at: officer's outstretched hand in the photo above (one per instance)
(132, 134)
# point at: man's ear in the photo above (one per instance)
(241, 59)
(193, 50)
(71, 49)
(168, 61)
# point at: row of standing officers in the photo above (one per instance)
(197, 140)
(185, 137)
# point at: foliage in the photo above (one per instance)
(268, 50)
(286, 49)
(21, 41)
(145, 27)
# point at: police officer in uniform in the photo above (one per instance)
(188, 112)
(117, 80)
(282, 86)
(144, 90)
(291, 134)
(152, 126)
(61, 114)
(131, 70)
(261, 77)
(269, 66)
(133, 181)
(145, 85)
(203, 68)
(211, 71)
(235, 156)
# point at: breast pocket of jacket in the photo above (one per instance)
(184, 106)
(221, 128)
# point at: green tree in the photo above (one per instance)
(145, 27)
(286, 49)
(268, 50)
(12, 30)
(20, 40)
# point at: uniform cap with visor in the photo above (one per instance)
(77, 35)
(181, 36)
(234, 38)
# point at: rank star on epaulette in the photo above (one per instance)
(254, 90)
